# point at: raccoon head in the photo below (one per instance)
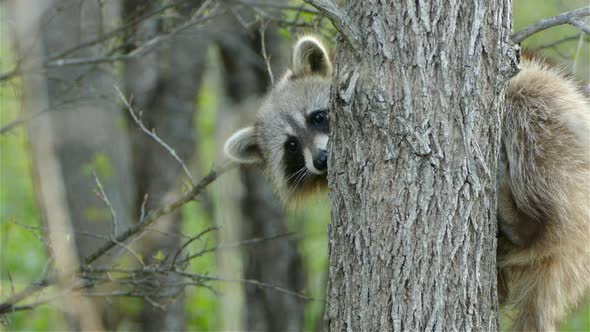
(289, 137)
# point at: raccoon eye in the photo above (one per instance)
(319, 118)
(291, 145)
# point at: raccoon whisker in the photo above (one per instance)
(295, 184)
(295, 174)
(305, 177)
(299, 180)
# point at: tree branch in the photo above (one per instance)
(339, 20)
(9, 305)
(571, 17)
(153, 135)
(166, 209)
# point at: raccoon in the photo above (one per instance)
(290, 134)
(543, 175)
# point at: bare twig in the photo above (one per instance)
(156, 214)
(189, 241)
(138, 279)
(103, 196)
(143, 204)
(21, 120)
(262, 4)
(248, 281)
(264, 55)
(9, 74)
(153, 134)
(59, 60)
(248, 242)
(9, 305)
(558, 42)
(339, 20)
(116, 32)
(578, 51)
(571, 17)
(148, 46)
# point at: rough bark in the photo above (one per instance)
(260, 215)
(164, 85)
(415, 121)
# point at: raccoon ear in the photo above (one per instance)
(310, 56)
(241, 147)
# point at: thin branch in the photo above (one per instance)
(244, 243)
(262, 4)
(59, 61)
(571, 17)
(558, 42)
(9, 305)
(580, 25)
(103, 196)
(198, 236)
(248, 281)
(9, 74)
(21, 120)
(156, 214)
(339, 20)
(115, 32)
(137, 52)
(264, 55)
(153, 134)
(139, 278)
(578, 51)
(143, 204)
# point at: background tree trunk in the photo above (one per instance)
(259, 213)
(51, 195)
(416, 122)
(83, 123)
(164, 85)
(87, 121)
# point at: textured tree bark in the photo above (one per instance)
(415, 121)
(164, 85)
(259, 214)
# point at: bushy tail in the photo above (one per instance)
(545, 188)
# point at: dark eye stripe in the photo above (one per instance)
(292, 145)
(319, 120)
(293, 162)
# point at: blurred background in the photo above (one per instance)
(194, 72)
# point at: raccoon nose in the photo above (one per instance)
(320, 162)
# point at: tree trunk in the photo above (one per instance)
(88, 137)
(164, 85)
(50, 184)
(81, 123)
(415, 121)
(259, 213)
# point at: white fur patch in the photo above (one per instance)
(309, 162)
(321, 141)
(300, 119)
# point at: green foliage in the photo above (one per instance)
(101, 164)
(574, 54)
(311, 226)
(201, 303)
(22, 254)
